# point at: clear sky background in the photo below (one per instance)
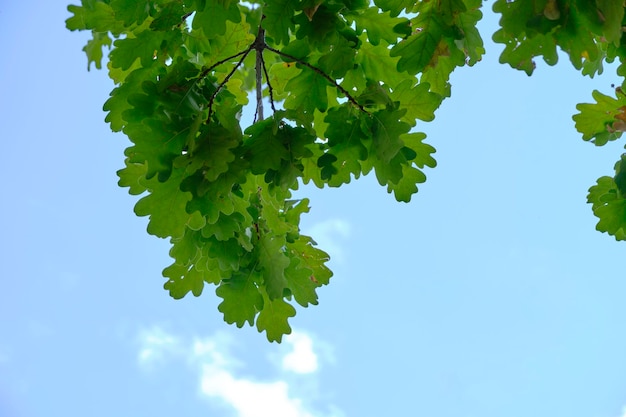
(489, 295)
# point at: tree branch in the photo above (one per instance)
(259, 45)
(230, 74)
(323, 74)
(206, 71)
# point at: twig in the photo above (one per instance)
(269, 86)
(322, 73)
(230, 74)
(259, 46)
(206, 71)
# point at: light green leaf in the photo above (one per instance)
(93, 15)
(419, 102)
(242, 300)
(273, 262)
(380, 25)
(273, 319)
(166, 206)
(93, 49)
(609, 207)
(612, 15)
(596, 120)
(307, 91)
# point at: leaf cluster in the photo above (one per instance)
(349, 83)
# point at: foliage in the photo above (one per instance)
(347, 82)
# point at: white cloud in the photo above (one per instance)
(301, 359)
(156, 344)
(328, 234)
(222, 377)
(251, 398)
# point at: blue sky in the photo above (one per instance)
(489, 295)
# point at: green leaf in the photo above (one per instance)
(419, 102)
(407, 185)
(395, 7)
(236, 39)
(377, 64)
(386, 132)
(313, 258)
(93, 15)
(596, 121)
(380, 25)
(132, 177)
(170, 15)
(339, 60)
(93, 49)
(423, 151)
(348, 144)
(280, 74)
(131, 11)
(143, 47)
(229, 254)
(213, 151)
(278, 20)
(620, 175)
(520, 55)
(609, 207)
(241, 299)
(226, 226)
(212, 19)
(612, 16)
(118, 103)
(186, 250)
(273, 319)
(472, 41)
(273, 262)
(418, 50)
(301, 283)
(307, 91)
(322, 29)
(182, 280)
(264, 148)
(166, 206)
(450, 9)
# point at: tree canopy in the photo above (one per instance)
(230, 106)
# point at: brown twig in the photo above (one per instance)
(269, 86)
(230, 74)
(259, 46)
(323, 74)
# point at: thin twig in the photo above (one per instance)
(230, 74)
(206, 71)
(269, 86)
(259, 46)
(322, 73)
